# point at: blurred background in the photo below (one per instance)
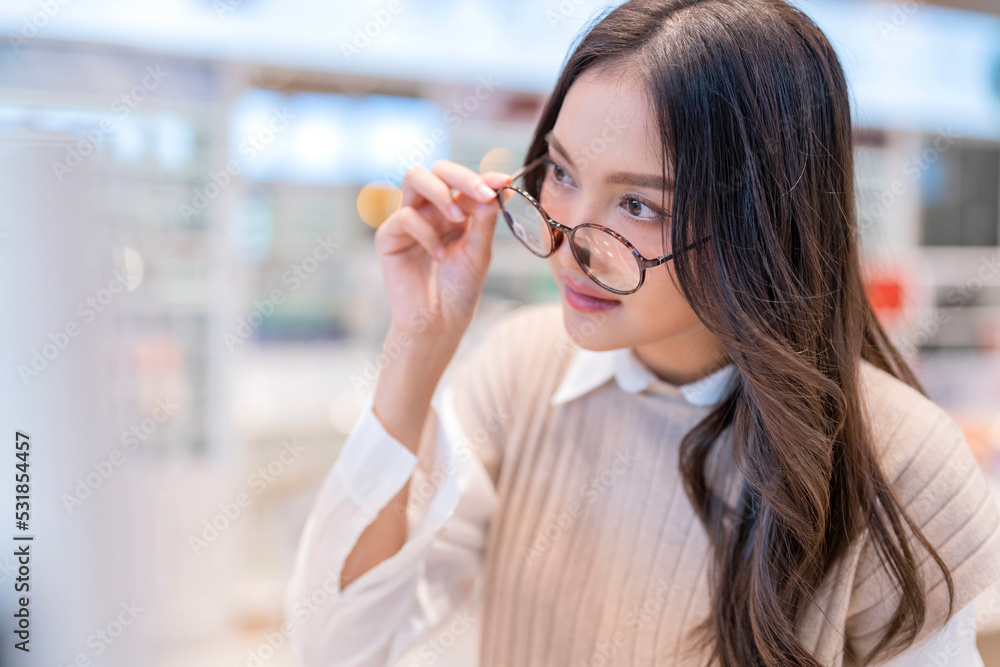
(193, 309)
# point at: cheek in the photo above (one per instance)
(659, 304)
(553, 261)
(562, 261)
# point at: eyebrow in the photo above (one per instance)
(618, 177)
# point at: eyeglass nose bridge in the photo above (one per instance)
(559, 232)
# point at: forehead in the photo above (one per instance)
(606, 122)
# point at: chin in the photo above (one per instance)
(591, 332)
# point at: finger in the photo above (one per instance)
(421, 184)
(483, 217)
(409, 227)
(424, 233)
(464, 180)
(494, 179)
(481, 226)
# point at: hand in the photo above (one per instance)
(435, 249)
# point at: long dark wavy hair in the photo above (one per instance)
(754, 118)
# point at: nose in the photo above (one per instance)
(563, 252)
(569, 216)
(561, 247)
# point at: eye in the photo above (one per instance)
(638, 208)
(557, 173)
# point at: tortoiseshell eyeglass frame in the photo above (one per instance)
(558, 230)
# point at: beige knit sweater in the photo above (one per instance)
(624, 581)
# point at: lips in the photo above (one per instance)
(586, 290)
(589, 305)
(582, 299)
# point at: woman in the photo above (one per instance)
(713, 455)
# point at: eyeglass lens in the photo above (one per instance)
(601, 255)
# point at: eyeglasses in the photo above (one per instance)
(607, 257)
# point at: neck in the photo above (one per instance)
(684, 358)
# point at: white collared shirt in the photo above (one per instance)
(590, 369)
(396, 605)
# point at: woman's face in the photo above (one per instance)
(605, 147)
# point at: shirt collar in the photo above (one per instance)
(589, 369)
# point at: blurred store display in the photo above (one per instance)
(250, 152)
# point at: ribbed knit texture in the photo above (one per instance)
(595, 555)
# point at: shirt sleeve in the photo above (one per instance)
(953, 645)
(943, 489)
(390, 608)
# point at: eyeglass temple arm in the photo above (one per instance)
(531, 165)
(670, 255)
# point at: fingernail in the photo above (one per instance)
(485, 191)
(456, 212)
